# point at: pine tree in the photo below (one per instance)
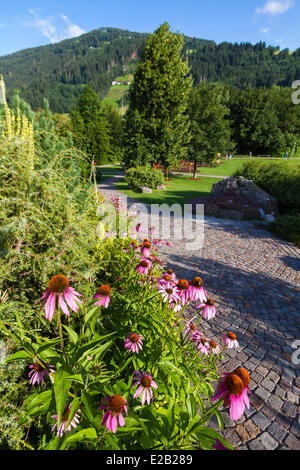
(156, 123)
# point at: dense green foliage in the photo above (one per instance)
(60, 71)
(278, 179)
(156, 124)
(144, 176)
(288, 228)
(208, 111)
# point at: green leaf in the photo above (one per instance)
(18, 356)
(73, 410)
(72, 334)
(61, 388)
(89, 315)
(39, 403)
(88, 434)
(47, 345)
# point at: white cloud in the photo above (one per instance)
(265, 30)
(51, 29)
(73, 30)
(275, 7)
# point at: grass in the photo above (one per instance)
(230, 167)
(180, 190)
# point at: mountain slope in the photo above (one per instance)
(59, 71)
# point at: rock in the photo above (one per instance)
(239, 186)
(144, 190)
(269, 218)
(161, 187)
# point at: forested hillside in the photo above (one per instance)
(59, 71)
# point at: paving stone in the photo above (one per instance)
(256, 402)
(261, 420)
(268, 384)
(243, 433)
(292, 442)
(262, 370)
(264, 442)
(295, 429)
(262, 393)
(276, 431)
(252, 429)
(283, 420)
(232, 437)
(289, 409)
(275, 402)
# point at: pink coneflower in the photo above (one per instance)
(151, 231)
(171, 273)
(169, 293)
(145, 249)
(157, 243)
(233, 387)
(191, 330)
(145, 383)
(165, 279)
(214, 348)
(64, 419)
(115, 406)
(38, 373)
(202, 344)
(144, 266)
(209, 309)
(196, 290)
(138, 227)
(183, 287)
(134, 342)
(103, 296)
(230, 340)
(59, 286)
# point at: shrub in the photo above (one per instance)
(144, 176)
(278, 179)
(287, 228)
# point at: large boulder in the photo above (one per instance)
(246, 189)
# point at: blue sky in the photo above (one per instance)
(34, 23)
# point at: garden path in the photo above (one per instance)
(254, 278)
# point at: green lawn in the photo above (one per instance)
(180, 190)
(228, 168)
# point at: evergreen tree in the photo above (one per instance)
(156, 123)
(90, 128)
(210, 127)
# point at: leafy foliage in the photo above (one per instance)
(144, 176)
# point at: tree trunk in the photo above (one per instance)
(195, 168)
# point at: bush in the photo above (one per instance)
(144, 176)
(287, 228)
(278, 179)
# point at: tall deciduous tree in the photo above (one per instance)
(210, 127)
(90, 128)
(157, 126)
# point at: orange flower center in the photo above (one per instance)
(197, 282)
(58, 284)
(65, 415)
(231, 336)
(183, 284)
(167, 277)
(116, 403)
(203, 341)
(213, 345)
(134, 338)
(146, 381)
(234, 384)
(243, 375)
(170, 271)
(193, 327)
(147, 245)
(169, 291)
(104, 290)
(144, 264)
(38, 367)
(210, 302)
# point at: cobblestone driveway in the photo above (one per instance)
(254, 278)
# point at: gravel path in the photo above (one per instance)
(254, 278)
